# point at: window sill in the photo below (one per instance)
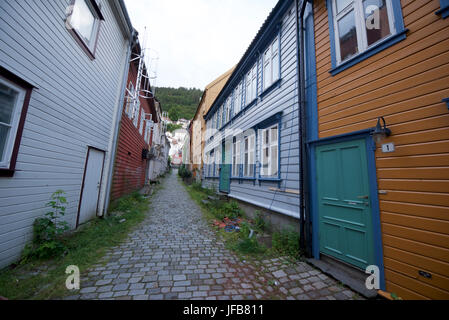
(247, 179)
(444, 12)
(274, 85)
(249, 105)
(370, 52)
(270, 179)
(6, 173)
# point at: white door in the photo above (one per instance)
(91, 186)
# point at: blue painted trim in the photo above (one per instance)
(444, 11)
(447, 102)
(372, 175)
(386, 43)
(330, 18)
(311, 76)
(375, 210)
(342, 137)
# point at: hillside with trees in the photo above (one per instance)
(180, 103)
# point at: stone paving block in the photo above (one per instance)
(105, 295)
(88, 290)
(279, 274)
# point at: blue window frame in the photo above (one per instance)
(444, 9)
(356, 34)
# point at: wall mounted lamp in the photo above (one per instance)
(380, 133)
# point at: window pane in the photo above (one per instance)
(267, 76)
(82, 19)
(3, 138)
(274, 135)
(274, 161)
(376, 20)
(347, 36)
(342, 4)
(8, 99)
(251, 164)
(275, 67)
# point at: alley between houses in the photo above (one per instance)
(175, 254)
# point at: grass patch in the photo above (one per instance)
(285, 243)
(45, 279)
(214, 209)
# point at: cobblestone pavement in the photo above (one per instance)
(174, 254)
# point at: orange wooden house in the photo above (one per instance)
(383, 203)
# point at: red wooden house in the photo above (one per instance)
(136, 129)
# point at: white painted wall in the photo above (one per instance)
(72, 108)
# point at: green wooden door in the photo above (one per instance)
(345, 222)
(225, 172)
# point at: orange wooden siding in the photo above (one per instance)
(406, 84)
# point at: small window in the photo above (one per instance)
(360, 24)
(84, 23)
(270, 152)
(271, 64)
(249, 156)
(13, 108)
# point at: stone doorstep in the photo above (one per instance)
(347, 275)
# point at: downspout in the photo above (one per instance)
(117, 125)
(300, 10)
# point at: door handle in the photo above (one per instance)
(363, 197)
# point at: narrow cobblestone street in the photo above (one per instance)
(174, 254)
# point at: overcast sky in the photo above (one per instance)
(197, 40)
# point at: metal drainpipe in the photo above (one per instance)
(300, 10)
(117, 126)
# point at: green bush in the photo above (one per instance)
(287, 242)
(48, 231)
(259, 222)
(184, 173)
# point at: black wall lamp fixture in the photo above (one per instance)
(381, 133)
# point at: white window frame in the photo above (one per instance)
(270, 58)
(129, 100)
(251, 85)
(217, 162)
(5, 162)
(136, 112)
(362, 41)
(236, 157)
(142, 120)
(238, 98)
(228, 109)
(272, 172)
(251, 152)
(90, 44)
